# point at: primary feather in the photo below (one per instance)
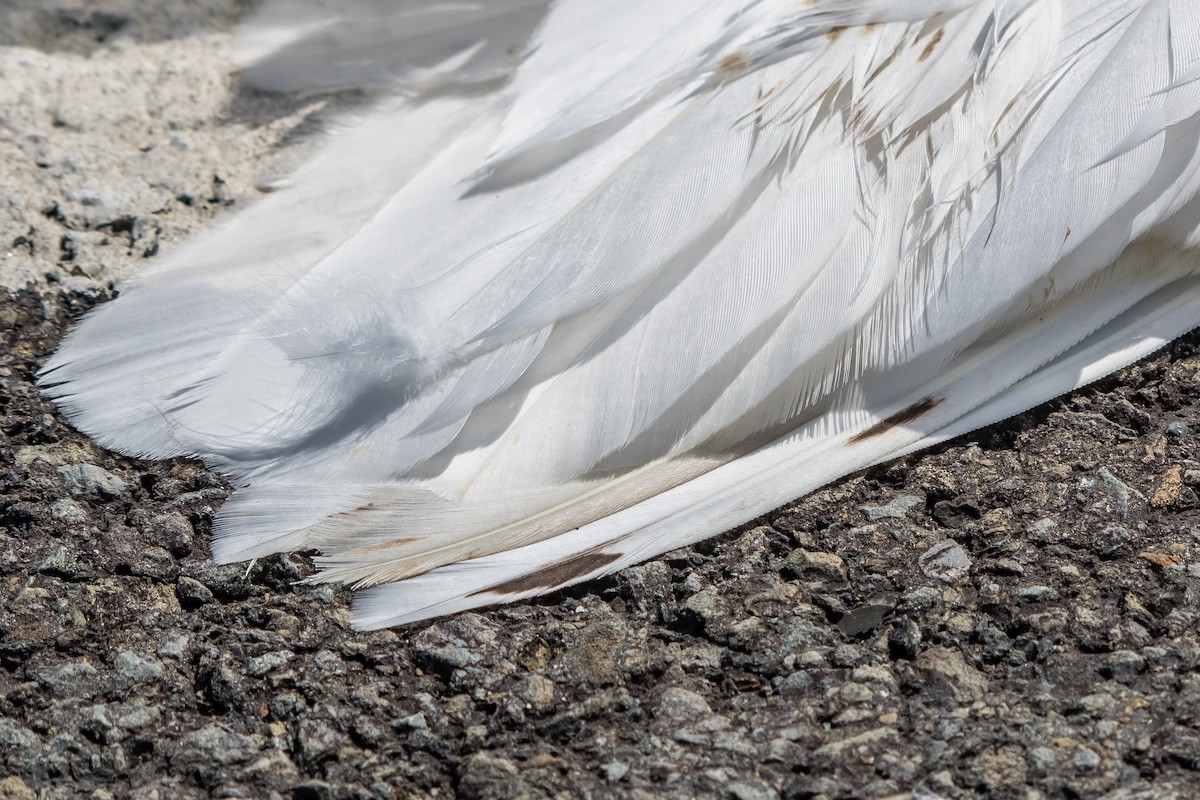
(533, 322)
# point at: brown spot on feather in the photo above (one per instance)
(731, 66)
(933, 43)
(554, 575)
(902, 417)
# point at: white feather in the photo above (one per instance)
(689, 261)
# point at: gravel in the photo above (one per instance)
(1014, 615)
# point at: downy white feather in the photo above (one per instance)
(533, 323)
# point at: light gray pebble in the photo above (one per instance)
(922, 597)
(1043, 758)
(677, 703)
(261, 665)
(173, 644)
(329, 662)
(133, 667)
(1086, 758)
(1043, 527)
(215, 744)
(1119, 493)
(89, 479)
(72, 679)
(68, 512)
(1033, 594)
(946, 561)
(14, 736)
(896, 509)
(614, 771)
(455, 643)
(413, 722)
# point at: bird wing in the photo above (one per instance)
(686, 264)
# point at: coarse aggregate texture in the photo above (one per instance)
(1015, 615)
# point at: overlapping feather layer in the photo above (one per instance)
(566, 306)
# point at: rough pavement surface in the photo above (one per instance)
(1014, 615)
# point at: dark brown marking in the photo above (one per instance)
(937, 38)
(835, 33)
(553, 576)
(899, 418)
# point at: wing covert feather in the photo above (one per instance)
(676, 266)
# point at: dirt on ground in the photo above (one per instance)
(1015, 615)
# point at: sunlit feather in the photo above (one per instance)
(599, 281)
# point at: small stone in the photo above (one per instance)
(370, 732)
(453, 644)
(317, 741)
(946, 561)
(192, 593)
(837, 749)
(896, 509)
(134, 668)
(744, 790)
(538, 692)
(677, 703)
(268, 662)
(965, 683)
(922, 597)
(1033, 594)
(14, 737)
(1043, 758)
(88, 479)
(806, 563)
(864, 619)
(614, 771)
(1124, 666)
(1119, 493)
(173, 645)
(68, 512)
(799, 682)
(1006, 566)
(329, 662)
(72, 679)
(1086, 758)
(485, 776)
(1177, 431)
(226, 582)
(171, 531)
(1043, 528)
(413, 722)
(214, 745)
(855, 693)
(957, 512)
(1052, 620)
